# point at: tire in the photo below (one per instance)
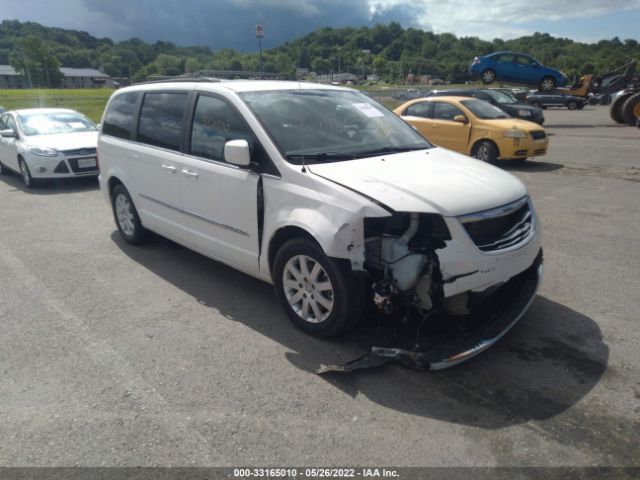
(581, 106)
(126, 216)
(302, 275)
(572, 105)
(615, 110)
(3, 170)
(485, 151)
(547, 84)
(631, 109)
(27, 179)
(488, 76)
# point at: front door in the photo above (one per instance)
(220, 199)
(8, 146)
(447, 132)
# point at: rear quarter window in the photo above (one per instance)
(118, 120)
(161, 118)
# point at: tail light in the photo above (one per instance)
(476, 61)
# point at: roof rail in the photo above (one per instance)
(180, 79)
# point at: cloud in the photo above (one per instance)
(231, 23)
(499, 18)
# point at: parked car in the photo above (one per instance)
(544, 100)
(46, 143)
(331, 197)
(474, 127)
(498, 98)
(515, 67)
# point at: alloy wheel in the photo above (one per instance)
(124, 213)
(308, 289)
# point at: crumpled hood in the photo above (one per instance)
(430, 181)
(64, 141)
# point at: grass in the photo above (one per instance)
(90, 102)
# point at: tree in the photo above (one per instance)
(34, 60)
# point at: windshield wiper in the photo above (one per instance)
(320, 156)
(382, 151)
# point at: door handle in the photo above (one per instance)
(170, 168)
(190, 173)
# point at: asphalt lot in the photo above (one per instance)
(119, 355)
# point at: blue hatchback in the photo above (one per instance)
(518, 68)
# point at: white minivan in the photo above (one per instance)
(333, 199)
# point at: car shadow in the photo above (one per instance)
(51, 186)
(529, 166)
(545, 365)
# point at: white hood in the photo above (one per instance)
(64, 141)
(431, 181)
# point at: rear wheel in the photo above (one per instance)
(615, 110)
(488, 76)
(631, 109)
(486, 151)
(547, 84)
(572, 105)
(320, 295)
(126, 216)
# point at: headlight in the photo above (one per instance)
(524, 113)
(514, 133)
(44, 151)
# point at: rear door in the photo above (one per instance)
(220, 199)
(155, 161)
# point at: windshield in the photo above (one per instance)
(484, 110)
(59, 122)
(501, 97)
(330, 125)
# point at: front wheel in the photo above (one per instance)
(320, 295)
(488, 76)
(126, 216)
(486, 151)
(27, 179)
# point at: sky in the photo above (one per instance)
(231, 23)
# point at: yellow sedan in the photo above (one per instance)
(474, 127)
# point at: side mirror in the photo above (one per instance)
(460, 119)
(8, 133)
(237, 152)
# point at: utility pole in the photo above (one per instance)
(260, 36)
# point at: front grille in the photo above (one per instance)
(538, 134)
(81, 152)
(500, 228)
(73, 162)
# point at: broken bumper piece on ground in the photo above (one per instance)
(508, 304)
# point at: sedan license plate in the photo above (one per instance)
(86, 162)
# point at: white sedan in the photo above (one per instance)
(41, 143)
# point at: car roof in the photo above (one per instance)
(237, 86)
(24, 111)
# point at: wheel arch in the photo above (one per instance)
(282, 236)
(484, 139)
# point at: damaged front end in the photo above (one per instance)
(424, 320)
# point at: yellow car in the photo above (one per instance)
(474, 127)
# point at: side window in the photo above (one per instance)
(10, 123)
(3, 122)
(422, 109)
(215, 122)
(161, 119)
(445, 111)
(525, 61)
(118, 121)
(506, 58)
